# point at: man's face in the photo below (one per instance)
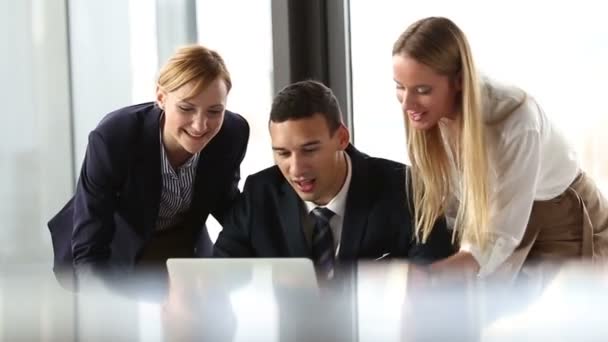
(310, 157)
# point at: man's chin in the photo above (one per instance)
(306, 196)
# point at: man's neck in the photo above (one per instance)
(339, 180)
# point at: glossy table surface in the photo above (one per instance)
(263, 302)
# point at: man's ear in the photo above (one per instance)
(161, 96)
(343, 136)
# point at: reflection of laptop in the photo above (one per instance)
(296, 273)
(261, 299)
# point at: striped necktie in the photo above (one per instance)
(323, 254)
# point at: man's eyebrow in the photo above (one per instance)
(311, 143)
(307, 144)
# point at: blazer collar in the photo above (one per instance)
(357, 206)
(290, 213)
(208, 170)
(150, 159)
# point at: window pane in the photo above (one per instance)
(35, 168)
(247, 50)
(113, 59)
(35, 157)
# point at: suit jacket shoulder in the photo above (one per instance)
(123, 125)
(386, 173)
(377, 177)
(232, 138)
(124, 131)
(269, 177)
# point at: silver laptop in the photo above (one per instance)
(256, 299)
(234, 273)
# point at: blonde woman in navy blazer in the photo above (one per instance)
(153, 172)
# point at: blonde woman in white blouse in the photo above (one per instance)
(487, 157)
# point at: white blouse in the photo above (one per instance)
(530, 160)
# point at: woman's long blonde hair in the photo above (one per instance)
(440, 44)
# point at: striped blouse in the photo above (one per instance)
(177, 189)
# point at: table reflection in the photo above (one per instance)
(265, 301)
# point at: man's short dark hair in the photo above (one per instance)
(303, 100)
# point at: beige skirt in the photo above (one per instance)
(572, 226)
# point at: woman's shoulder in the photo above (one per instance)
(509, 109)
(123, 129)
(235, 122)
(234, 132)
(127, 118)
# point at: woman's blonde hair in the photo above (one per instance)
(438, 43)
(193, 63)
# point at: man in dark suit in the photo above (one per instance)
(324, 199)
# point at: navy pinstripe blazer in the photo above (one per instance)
(115, 207)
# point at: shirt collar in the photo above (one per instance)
(338, 203)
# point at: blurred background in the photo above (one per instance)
(66, 63)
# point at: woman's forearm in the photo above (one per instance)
(461, 262)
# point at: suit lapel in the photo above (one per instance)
(150, 173)
(357, 206)
(290, 214)
(203, 184)
(208, 170)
